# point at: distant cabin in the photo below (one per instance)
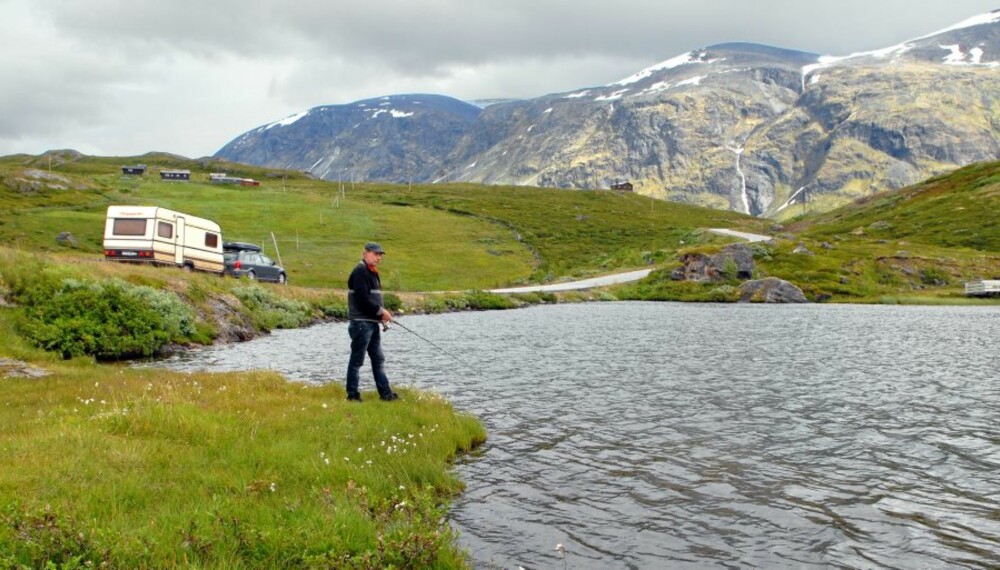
(626, 186)
(137, 170)
(182, 175)
(222, 178)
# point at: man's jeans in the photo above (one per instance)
(366, 337)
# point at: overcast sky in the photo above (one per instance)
(125, 77)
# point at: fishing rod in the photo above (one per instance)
(385, 327)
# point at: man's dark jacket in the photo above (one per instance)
(364, 293)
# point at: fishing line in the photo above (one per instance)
(385, 327)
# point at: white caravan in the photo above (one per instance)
(148, 234)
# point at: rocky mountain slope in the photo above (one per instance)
(398, 138)
(744, 127)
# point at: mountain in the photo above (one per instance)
(735, 126)
(395, 138)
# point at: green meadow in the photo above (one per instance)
(119, 467)
(439, 238)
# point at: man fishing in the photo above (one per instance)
(366, 312)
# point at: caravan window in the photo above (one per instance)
(211, 240)
(165, 230)
(129, 227)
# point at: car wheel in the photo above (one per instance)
(251, 275)
(282, 279)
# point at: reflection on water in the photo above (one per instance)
(645, 435)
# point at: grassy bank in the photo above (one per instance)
(105, 466)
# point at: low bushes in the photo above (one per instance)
(109, 319)
(271, 311)
(475, 301)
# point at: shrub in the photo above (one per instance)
(486, 301)
(333, 309)
(271, 311)
(457, 303)
(535, 298)
(934, 276)
(762, 251)
(109, 320)
(434, 305)
(729, 269)
(724, 294)
(178, 318)
(392, 302)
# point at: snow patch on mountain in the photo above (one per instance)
(285, 122)
(395, 113)
(972, 57)
(691, 57)
(987, 18)
(901, 48)
(616, 95)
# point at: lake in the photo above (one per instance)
(668, 435)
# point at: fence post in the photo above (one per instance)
(273, 239)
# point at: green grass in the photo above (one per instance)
(453, 237)
(957, 210)
(920, 240)
(923, 241)
(138, 468)
(573, 233)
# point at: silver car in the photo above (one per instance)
(246, 260)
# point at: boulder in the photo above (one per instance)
(10, 368)
(67, 239)
(771, 290)
(231, 322)
(712, 268)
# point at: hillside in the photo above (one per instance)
(737, 126)
(924, 240)
(451, 237)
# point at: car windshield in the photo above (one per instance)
(230, 255)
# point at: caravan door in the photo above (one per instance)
(180, 241)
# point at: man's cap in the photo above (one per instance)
(374, 247)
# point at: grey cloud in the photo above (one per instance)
(421, 36)
(98, 60)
